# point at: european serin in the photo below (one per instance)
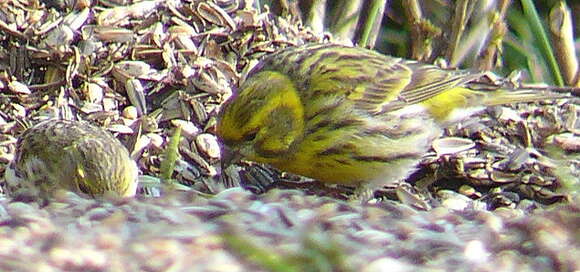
(70, 155)
(347, 115)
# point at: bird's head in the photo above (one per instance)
(265, 120)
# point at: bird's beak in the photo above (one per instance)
(229, 157)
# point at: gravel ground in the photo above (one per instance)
(239, 231)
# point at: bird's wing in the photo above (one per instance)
(422, 82)
(374, 82)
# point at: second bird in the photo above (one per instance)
(70, 155)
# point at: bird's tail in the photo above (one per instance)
(506, 96)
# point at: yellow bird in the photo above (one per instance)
(70, 155)
(347, 115)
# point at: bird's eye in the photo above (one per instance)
(250, 136)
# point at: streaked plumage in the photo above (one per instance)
(347, 115)
(70, 155)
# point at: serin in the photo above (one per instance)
(70, 155)
(347, 115)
